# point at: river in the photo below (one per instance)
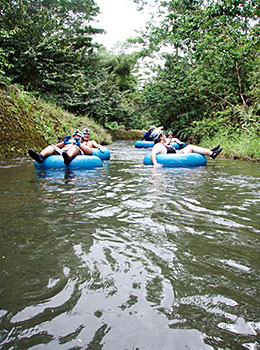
(128, 257)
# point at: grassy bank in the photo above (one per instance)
(29, 122)
(240, 145)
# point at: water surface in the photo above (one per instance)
(130, 257)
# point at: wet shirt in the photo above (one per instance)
(147, 136)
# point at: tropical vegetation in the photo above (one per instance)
(30, 122)
(47, 47)
(209, 85)
(205, 86)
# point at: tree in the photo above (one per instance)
(214, 50)
(43, 42)
(47, 46)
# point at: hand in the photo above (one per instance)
(77, 141)
(101, 149)
(66, 140)
(158, 165)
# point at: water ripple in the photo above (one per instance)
(130, 257)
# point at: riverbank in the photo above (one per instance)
(29, 122)
(238, 145)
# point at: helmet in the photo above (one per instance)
(156, 134)
(86, 131)
(170, 133)
(152, 127)
(78, 133)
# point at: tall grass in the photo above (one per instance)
(61, 123)
(238, 144)
(238, 133)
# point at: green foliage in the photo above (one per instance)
(115, 97)
(44, 41)
(112, 125)
(171, 98)
(210, 81)
(226, 123)
(60, 123)
(47, 46)
(208, 84)
(240, 144)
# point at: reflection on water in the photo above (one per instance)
(70, 174)
(130, 257)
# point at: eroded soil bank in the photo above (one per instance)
(27, 122)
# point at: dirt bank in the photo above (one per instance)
(27, 122)
(18, 130)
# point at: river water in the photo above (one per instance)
(128, 257)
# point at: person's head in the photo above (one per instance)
(78, 134)
(86, 133)
(152, 127)
(157, 135)
(170, 134)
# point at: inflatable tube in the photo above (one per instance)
(150, 144)
(102, 155)
(79, 162)
(177, 160)
(144, 144)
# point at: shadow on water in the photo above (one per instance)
(130, 257)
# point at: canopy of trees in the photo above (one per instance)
(47, 46)
(211, 75)
(209, 80)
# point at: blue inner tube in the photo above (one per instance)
(144, 144)
(177, 160)
(102, 155)
(79, 162)
(150, 144)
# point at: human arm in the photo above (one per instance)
(174, 139)
(94, 144)
(145, 135)
(156, 150)
(153, 156)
